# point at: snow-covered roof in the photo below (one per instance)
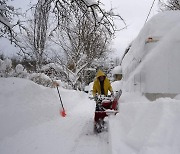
(156, 28)
(152, 62)
(117, 70)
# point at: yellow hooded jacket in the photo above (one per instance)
(96, 86)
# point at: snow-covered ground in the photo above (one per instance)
(144, 127)
(30, 122)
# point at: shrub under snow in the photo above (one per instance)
(41, 78)
(6, 70)
(20, 71)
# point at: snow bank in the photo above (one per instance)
(30, 122)
(144, 127)
(25, 104)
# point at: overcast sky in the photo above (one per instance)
(133, 12)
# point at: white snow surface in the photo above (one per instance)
(152, 66)
(117, 70)
(30, 122)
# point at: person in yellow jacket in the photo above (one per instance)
(101, 84)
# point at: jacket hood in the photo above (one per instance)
(100, 73)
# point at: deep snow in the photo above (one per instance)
(144, 127)
(30, 122)
(152, 63)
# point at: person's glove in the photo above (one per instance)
(95, 98)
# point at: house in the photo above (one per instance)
(151, 65)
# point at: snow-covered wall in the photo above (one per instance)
(152, 63)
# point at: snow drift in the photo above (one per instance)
(144, 127)
(30, 122)
(152, 63)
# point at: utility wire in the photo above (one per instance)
(150, 11)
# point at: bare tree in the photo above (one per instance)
(169, 5)
(93, 11)
(6, 13)
(81, 42)
(36, 33)
(41, 16)
(9, 21)
(62, 10)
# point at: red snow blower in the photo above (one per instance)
(105, 106)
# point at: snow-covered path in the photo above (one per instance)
(30, 123)
(56, 135)
(66, 136)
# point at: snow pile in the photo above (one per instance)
(30, 122)
(157, 28)
(150, 66)
(30, 119)
(24, 104)
(144, 127)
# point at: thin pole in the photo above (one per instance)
(60, 98)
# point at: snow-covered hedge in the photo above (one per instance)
(41, 78)
(20, 71)
(6, 70)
